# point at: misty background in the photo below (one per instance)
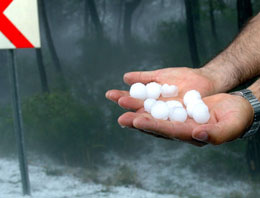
(71, 130)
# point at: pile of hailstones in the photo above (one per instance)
(172, 109)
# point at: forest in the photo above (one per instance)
(87, 46)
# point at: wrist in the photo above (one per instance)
(255, 89)
(213, 76)
(254, 104)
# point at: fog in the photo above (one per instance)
(74, 144)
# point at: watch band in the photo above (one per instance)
(247, 94)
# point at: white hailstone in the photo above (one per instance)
(160, 110)
(192, 104)
(178, 114)
(148, 103)
(169, 91)
(173, 104)
(153, 90)
(190, 96)
(138, 91)
(201, 114)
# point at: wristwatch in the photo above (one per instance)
(247, 94)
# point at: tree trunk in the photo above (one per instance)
(130, 7)
(42, 72)
(212, 20)
(191, 34)
(244, 12)
(120, 11)
(95, 18)
(195, 7)
(49, 39)
(104, 7)
(53, 52)
(86, 19)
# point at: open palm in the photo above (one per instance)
(185, 78)
(230, 116)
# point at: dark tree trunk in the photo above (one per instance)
(104, 7)
(86, 19)
(53, 52)
(244, 12)
(195, 7)
(42, 72)
(196, 10)
(95, 18)
(52, 49)
(212, 20)
(191, 34)
(120, 11)
(130, 7)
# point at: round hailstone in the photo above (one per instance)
(148, 103)
(153, 90)
(192, 104)
(173, 104)
(169, 91)
(190, 96)
(178, 114)
(138, 91)
(201, 114)
(160, 110)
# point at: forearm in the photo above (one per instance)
(239, 62)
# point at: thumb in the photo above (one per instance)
(143, 77)
(216, 133)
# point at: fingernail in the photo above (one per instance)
(108, 94)
(202, 136)
(122, 126)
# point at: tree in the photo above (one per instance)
(191, 34)
(244, 12)
(195, 7)
(212, 20)
(120, 11)
(54, 55)
(130, 7)
(95, 18)
(86, 18)
(42, 72)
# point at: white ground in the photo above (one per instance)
(157, 171)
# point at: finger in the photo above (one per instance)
(218, 133)
(143, 77)
(146, 122)
(128, 102)
(114, 95)
(126, 120)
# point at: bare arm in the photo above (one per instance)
(239, 62)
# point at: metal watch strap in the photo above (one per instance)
(247, 94)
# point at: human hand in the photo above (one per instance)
(230, 117)
(185, 78)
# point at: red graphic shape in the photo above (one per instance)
(10, 31)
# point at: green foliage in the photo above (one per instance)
(61, 126)
(7, 140)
